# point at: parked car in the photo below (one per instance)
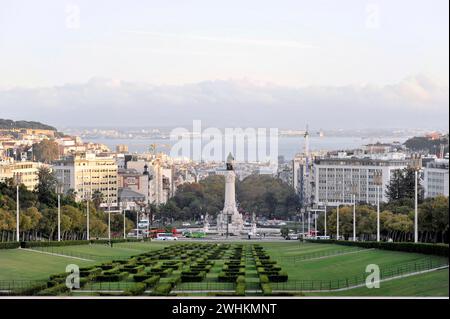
(186, 224)
(292, 236)
(165, 236)
(143, 223)
(135, 233)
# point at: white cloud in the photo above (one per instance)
(417, 101)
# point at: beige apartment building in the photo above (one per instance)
(88, 173)
(25, 173)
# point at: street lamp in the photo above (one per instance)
(354, 217)
(17, 214)
(378, 182)
(416, 164)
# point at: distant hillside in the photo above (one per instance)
(423, 143)
(10, 124)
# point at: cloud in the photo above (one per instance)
(417, 101)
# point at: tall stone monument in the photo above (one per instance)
(229, 220)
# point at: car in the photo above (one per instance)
(293, 237)
(186, 224)
(143, 223)
(165, 236)
(135, 233)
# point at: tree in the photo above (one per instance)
(46, 187)
(401, 187)
(45, 151)
(7, 220)
(97, 198)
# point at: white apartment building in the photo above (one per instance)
(436, 178)
(86, 174)
(25, 172)
(338, 179)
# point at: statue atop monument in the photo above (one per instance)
(229, 220)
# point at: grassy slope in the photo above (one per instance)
(16, 264)
(430, 284)
(334, 267)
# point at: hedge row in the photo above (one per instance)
(31, 244)
(10, 245)
(422, 248)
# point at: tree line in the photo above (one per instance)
(39, 213)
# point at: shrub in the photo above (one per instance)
(266, 289)
(112, 277)
(240, 289)
(54, 291)
(174, 280)
(90, 272)
(226, 277)
(152, 281)
(161, 272)
(280, 277)
(162, 289)
(240, 279)
(136, 290)
(31, 290)
(142, 276)
(9, 245)
(263, 279)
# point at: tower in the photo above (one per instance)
(229, 220)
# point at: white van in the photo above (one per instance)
(165, 236)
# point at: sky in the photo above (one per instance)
(286, 56)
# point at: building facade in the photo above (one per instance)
(87, 173)
(436, 178)
(338, 179)
(25, 172)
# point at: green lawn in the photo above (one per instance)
(17, 264)
(302, 261)
(339, 266)
(429, 284)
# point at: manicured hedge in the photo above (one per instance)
(422, 248)
(31, 290)
(152, 281)
(266, 289)
(163, 289)
(142, 276)
(136, 290)
(280, 277)
(54, 291)
(112, 277)
(10, 245)
(240, 289)
(31, 244)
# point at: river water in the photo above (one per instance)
(287, 146)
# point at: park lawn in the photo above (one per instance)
(433, 284)
(17, 264)
(103, 252)
(298, 249)
(339, 266)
